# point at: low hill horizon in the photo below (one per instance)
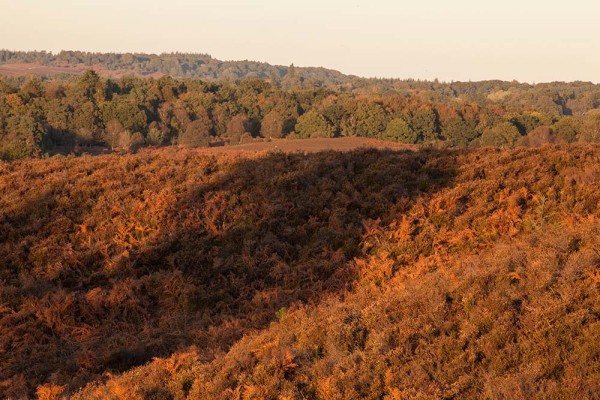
(176, 64)
(191, 65)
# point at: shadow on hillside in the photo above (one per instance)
(267, 233)
(280, 230)
(68, 142)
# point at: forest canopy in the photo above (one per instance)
(57, 114)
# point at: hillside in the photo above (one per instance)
(369, 273)
(179, 65)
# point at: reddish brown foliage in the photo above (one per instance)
(391, 274)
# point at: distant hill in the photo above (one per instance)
(179, 65)
(568, 98)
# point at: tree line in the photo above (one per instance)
(180, 65)
(41, 115)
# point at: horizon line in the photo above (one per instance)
(196, 53)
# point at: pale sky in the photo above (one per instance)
(526, 40)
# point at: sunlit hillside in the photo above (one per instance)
(173, 274)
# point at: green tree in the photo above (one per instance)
(88, 84)
(155, 136)
(527, 121)
(457, 132)
(333, 112)
(127, 112)
(86, 122)
(33, 88)
(504, 134)
(398, 130)
(26, 134)
(367, 120)
(567, 129)
(313, 125)
(424, 122)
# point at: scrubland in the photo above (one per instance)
(381, 274)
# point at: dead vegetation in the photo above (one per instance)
(366, 274)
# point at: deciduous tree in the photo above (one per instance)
(313, 125)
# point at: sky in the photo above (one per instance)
(452, 40)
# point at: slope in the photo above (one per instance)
(369, 273)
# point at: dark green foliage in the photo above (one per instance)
(155, 136)
(181, 65)
(503, 135)
(88, 84)
(457, 132)
(424, 123)
(528, 121)
(26, 134)
(313, 125)
(39, 116)
(399, 130)
(128, 113)
(367, 119)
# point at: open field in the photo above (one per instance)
(309, 146)
(262, 146)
